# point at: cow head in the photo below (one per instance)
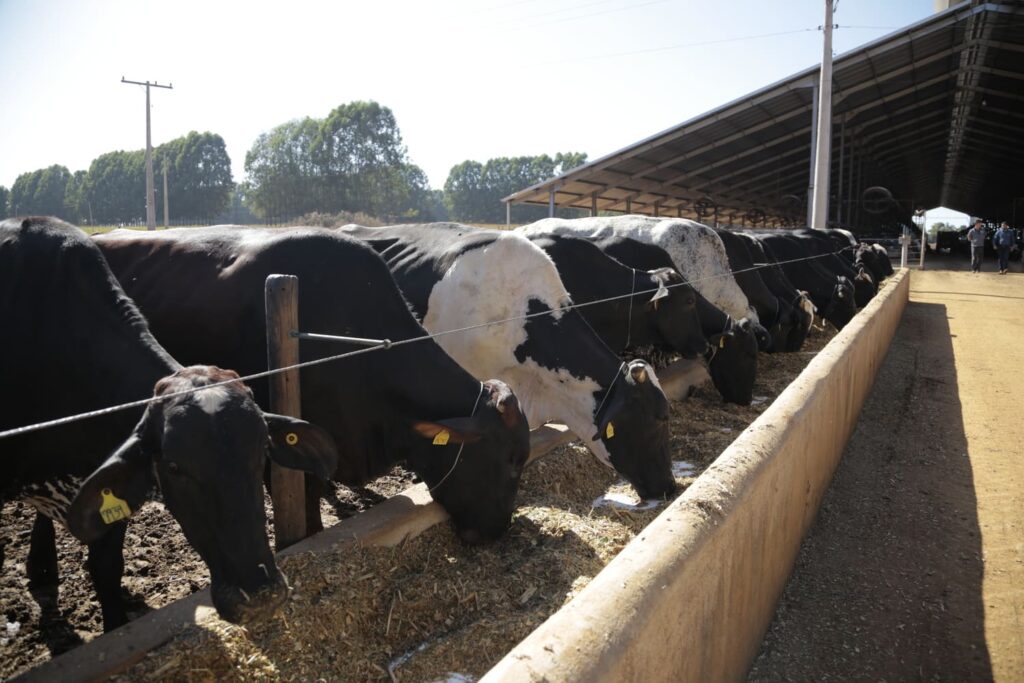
(842, 305)
(632, 424)
(864, 287)
(803, 318)
(762, 336)
(733, 365)
(206, 450)
(673, 312)
(472, 465)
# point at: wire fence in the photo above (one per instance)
(385, 344)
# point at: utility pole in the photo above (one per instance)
(822, 162)
(165, 193)
(150, 200)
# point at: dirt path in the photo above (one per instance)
(914, 569)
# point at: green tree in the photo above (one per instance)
(40, 192)
(199, 182)
(473, 191)
(75, 202)
(361, 160)
(115, 187)
(281, 178)
(353, 160)
(5, 195)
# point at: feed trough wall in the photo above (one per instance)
(690, 598)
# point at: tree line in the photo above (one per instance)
(113, 189)
(353, 160)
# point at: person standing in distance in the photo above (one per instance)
(976, 237)
(1004, 240)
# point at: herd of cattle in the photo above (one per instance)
(97, 322)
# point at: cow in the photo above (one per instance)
(775, 313)
(732, 360)
(697, 253)
(456, 276)
(837, 254)
(832, 295)
(202, 290)
(645, 308)
(875, 259)
(775, 279)
(74, 342)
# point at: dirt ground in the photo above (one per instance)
(914, 569)
(161, 567)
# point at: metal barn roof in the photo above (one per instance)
(930, 115)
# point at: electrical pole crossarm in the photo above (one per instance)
(153, 84)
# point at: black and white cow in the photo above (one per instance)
(775, 279)
(456, 276)
(73, 342)
(663, 315)
(733, 353)
(467, 440)
(697, 253)
(832, 295)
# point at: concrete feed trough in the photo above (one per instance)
(691, 597)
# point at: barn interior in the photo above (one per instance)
(930, 115)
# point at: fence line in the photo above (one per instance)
(388, 344)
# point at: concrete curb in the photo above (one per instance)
(402, 516)
(690, 598)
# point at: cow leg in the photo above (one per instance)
(41, 564)
(314, 491)
(106, 567)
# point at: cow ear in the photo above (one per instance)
(299, 445)
(111, 493)
(458, 430)
(721, 339)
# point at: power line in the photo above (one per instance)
(677, 46)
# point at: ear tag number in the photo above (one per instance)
(721, 342)
(609, 431)
(113, 509)
(442, 438)
(291, 438)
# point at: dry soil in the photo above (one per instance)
(914, 569)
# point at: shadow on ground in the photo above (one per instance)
(888, 583)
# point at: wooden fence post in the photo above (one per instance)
(287, 487)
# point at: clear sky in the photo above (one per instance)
(465, 79)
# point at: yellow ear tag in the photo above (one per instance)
(609, 431)
(721, 342)
(113, 509)
(291, 438)
(442, 438)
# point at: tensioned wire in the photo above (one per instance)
(387, 344)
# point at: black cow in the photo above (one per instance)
(73, 342)
(456, 276)
(664, 316)
(775, 313)
(733, 357)
(875, 259)
(832, 295)
(775, 279)
(202, 291)
(837, 254)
